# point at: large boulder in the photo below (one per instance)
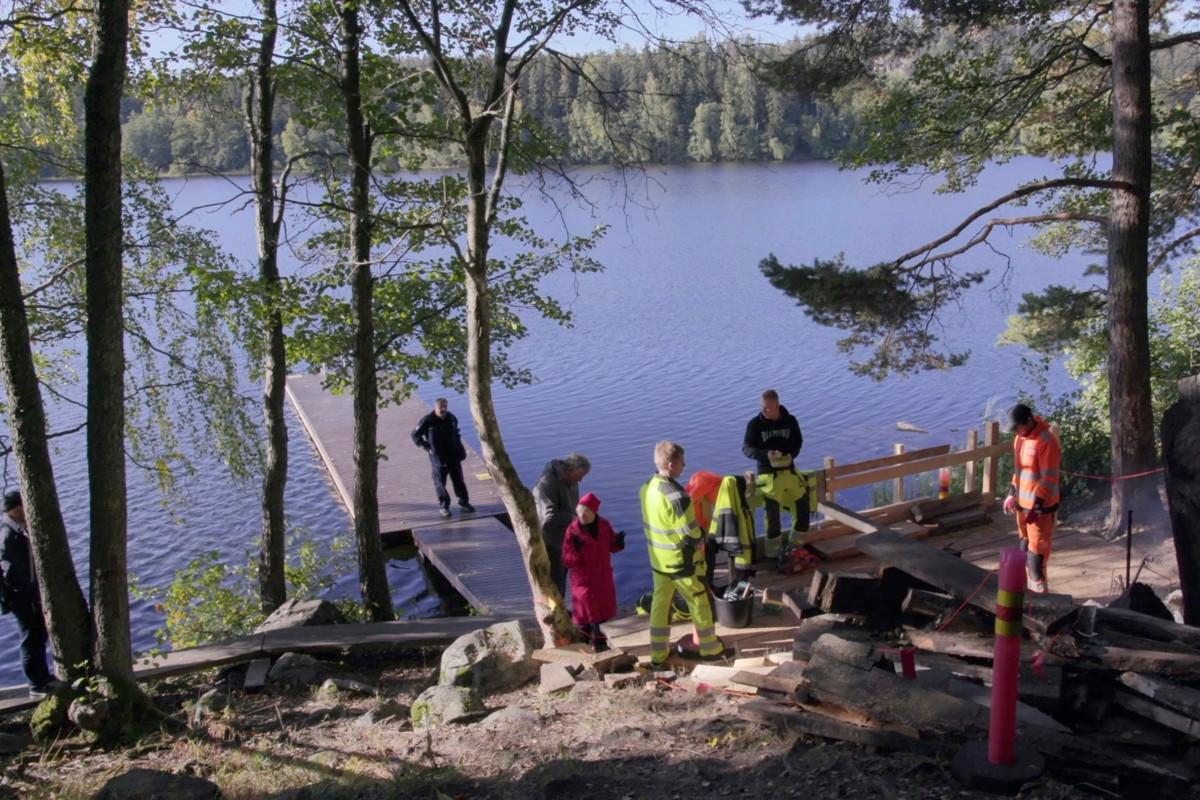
(301, 613)
(298, 670)
(439, 705)
(152, 784)
(493, 659)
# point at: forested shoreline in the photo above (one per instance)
(699, 102)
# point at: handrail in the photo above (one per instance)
(886, 461)
(879, 475)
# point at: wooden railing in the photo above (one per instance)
(839, 477)
(894, 468)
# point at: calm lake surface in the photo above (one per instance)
(674, 340)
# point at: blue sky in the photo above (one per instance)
(659, 19)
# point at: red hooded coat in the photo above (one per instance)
(589, 559)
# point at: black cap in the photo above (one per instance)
(12, 500)
(1018, 415)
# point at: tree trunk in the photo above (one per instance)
(62, 600)
(371, 574)
(1130, 414)
(1181, 452)
(549, 610)
(109, 584)
(260, 108)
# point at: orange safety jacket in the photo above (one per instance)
(1036, 461)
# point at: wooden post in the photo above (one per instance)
(991, 464)
(971, 466)
(898, 481)
(829, 495)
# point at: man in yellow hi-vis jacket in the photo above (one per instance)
(672, 539)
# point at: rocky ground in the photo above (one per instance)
(592, 741)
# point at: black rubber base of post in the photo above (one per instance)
(971, 766)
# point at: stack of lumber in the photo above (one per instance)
(953, 513)
(928, 517)
(1107, 695)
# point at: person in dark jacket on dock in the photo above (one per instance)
(19, 595)
(437, 434)
(587, 553)
(773, 440)
(556, 495)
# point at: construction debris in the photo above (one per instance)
(1107, 695)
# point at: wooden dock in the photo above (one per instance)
(476, 553)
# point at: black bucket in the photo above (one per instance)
(735, 613)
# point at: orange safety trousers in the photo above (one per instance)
(1039, 534)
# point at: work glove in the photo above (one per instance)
(619, 540)
(576, 542)
(1032, 516)
(1010, 505)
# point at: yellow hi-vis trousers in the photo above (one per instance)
(696, 597)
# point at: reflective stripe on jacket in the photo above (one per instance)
(786, 487)
(1036, 461)
(672, 536)
(733, 523)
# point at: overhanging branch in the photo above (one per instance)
(1183, 38)
(1024, 191)
(1171, 247)
(1000, 222)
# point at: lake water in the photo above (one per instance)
(674, 340)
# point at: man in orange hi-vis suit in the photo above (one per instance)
(1034, 495)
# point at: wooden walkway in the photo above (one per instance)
(476, 553)
(311, 639)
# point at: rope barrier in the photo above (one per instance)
(958, 610)
(1113, 478)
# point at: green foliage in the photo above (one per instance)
(945, 88)
(884, 307)
(1062, 322)
(210, 600)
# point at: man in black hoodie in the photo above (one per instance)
(773, 440)
(437, 434)
(19, 595)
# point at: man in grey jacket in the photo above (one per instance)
(556, 495)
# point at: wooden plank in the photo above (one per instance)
(432, 632)
(193, 659)
(912, 468)
(481, 559)
(888, 697)
(970, 478)
(1152, 711)
(1183, 699)
(810, 723)
(771, 683)
(899, 457)
(898, 482)
(931, 509)
(991, 464)
(890, 514)
(1144, 625)
(1184, 666)
(968, 645)
(961, 578)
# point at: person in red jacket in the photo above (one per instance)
(1034, 495)
(587, 554)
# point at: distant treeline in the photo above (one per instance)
(697, 103)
